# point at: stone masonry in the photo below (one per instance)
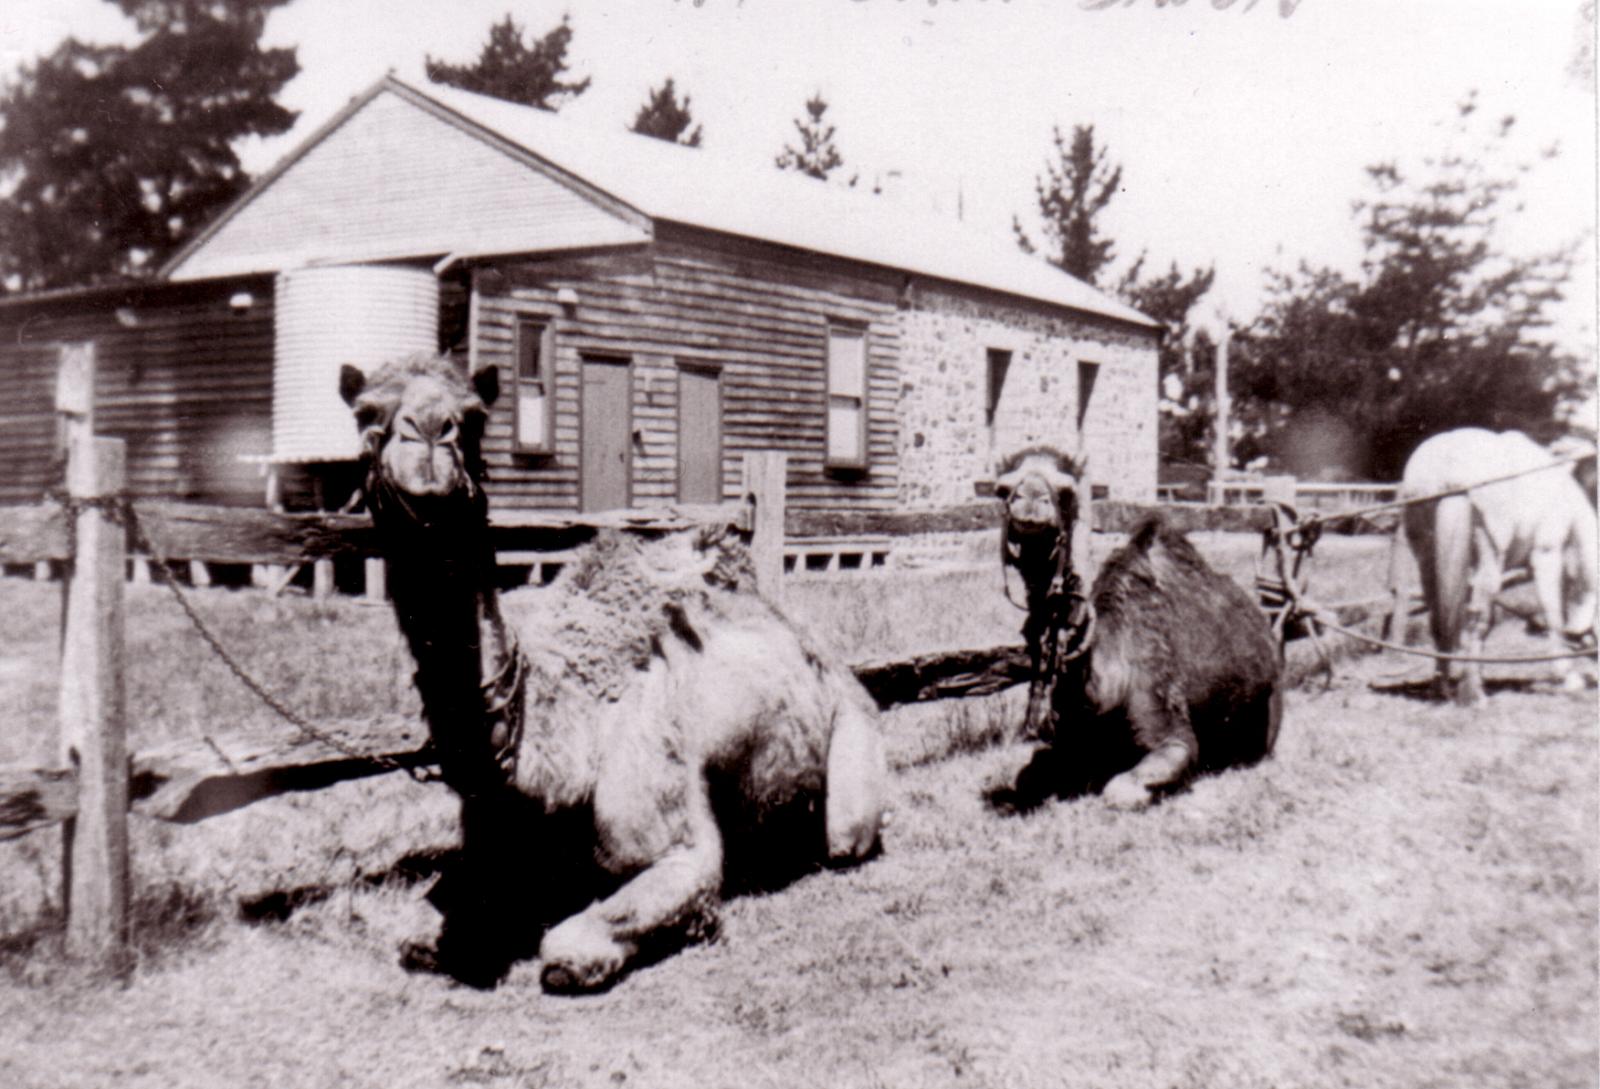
(948, 437)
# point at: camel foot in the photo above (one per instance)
(580, 955)
(1573, 682)
(1126, 792)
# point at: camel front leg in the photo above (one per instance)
(1171, 749)
(675, 891)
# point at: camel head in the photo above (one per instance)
(1040, 487)
(421, 422)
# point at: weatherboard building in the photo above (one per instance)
(655, 314)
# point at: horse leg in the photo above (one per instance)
(857, 772)
(1444, 530)
(678, 856)
(1482, 586)
(1162, 728)
(1546, 563)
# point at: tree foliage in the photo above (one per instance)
(817, 154)
(1441, 328)
(666, 118)
(111, 156)
(1075, 188)
(1187, 358)
(509, 68)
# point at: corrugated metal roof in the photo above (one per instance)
(701, 188)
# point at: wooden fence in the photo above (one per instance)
(96, 781)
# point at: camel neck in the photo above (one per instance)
(467, 660)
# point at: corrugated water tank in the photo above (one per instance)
(329, 316)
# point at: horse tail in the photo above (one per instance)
(1583, 568)
(1452, 564)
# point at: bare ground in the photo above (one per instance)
(1406, 895)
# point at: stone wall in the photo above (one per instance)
(948, 439)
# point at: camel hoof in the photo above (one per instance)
(579, 955)
(563, 979)
(1126, 792)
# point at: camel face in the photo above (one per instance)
(1040, 491)
(421, 424)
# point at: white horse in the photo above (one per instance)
(1464, 543)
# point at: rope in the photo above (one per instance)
(1285, 596)
(120, 510)
(1319, 618)
(1396, 504)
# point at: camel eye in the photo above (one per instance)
(1002, 491)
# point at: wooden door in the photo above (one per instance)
(699, 437)
(604, 468)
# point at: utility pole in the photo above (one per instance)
(1224, 407)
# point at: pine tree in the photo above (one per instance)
(817, 154)
(1441, 328)
(508, 68)
(665, 118)
(1187, 358)
(111, 157)
(1077, 185)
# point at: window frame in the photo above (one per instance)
(538, 331)
(861, 403)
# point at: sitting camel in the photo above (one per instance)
(1164, 668)
(647, 711)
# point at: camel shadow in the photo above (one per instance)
(494, 915)
(1054, 773)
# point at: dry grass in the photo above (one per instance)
(1406, 895)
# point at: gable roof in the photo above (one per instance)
(638, 180)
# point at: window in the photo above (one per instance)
(847, 398)
(999, 363)
(535, 382)
(1087, 374)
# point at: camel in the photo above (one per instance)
(613, 733)
(1162, 669)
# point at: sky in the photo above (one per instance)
(1243, 127)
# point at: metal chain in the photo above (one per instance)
(121, 511)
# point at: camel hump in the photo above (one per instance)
(1155, 531)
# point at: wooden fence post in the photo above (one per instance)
(322, 579)
(376, 580)
(765, 480)
(92, 710)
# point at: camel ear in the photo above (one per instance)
(486, 381)
(1078, 461)
(351, 383)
